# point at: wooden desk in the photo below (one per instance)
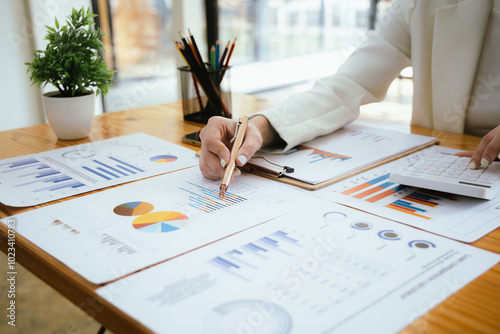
(475, 308)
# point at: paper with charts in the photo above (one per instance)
(322, 269)
(454, 216)
(348, 149)
(47, 176)
(115, 232)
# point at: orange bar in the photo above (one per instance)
(368, 192)
(357, 188)
(420, 201)
(391, 206)
(380, 196)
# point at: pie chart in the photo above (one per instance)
(133, 208)
(160, 222)
(163, 158)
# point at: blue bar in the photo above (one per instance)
(385, 185)
(47, 173)
(204, 203)
(255, 247)
(426, 197)
(60, 179)
(78, 185)
(225, 262)
(239, 199)
(128, 170)
(399, 187)
(379, 179)
(267, 239)
(107, 171)
(126, 164)
(64, 186)
(96, 173)
(285, 236)
(23, 162)
(16, 169)
(236, 251)
(110, 167)
(408, 205)
(221, 266)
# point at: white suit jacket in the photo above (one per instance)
(440, 39)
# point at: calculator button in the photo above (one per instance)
(468, 178)
(433, 173)
(437, 169)
(449, 159)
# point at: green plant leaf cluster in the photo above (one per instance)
(72, 61)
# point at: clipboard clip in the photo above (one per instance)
(259, 169)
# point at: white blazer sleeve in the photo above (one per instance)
(365, 77)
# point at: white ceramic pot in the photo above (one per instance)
(70, 117)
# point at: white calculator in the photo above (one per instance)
(449, 173)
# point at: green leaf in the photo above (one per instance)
(72, 59)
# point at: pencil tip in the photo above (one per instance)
(222, 191)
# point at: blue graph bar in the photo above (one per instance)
(248, 260)
(19, 168)
(48, 173)
(110, 167)
(126, 164)
(408, 205)
(126, 169)
(96, 173)
(379, 179)
(227, 268)
(425, 197)
(399, 187)
(386, 184)
(208, 200)
(108, 172)
(274, 244)
(74, 184)
(23, 162)
(284, 236)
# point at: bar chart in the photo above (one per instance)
(364, 136)
(318, 154)
(207, 200)
(412, 201)
(246, 260)
(33, 176)
(113, 168)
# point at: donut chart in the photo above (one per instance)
(160, 222)
(133, 208)
(163, 158)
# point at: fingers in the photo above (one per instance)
(487, 151)
(466, 154)
(214, 149)
(251, 144)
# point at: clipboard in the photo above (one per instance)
(274, 174)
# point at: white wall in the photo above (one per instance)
(20, 104)
(22, 30)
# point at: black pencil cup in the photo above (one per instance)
(205, 93)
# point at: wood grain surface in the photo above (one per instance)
(473, 309)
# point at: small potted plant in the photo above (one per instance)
(72, 63)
